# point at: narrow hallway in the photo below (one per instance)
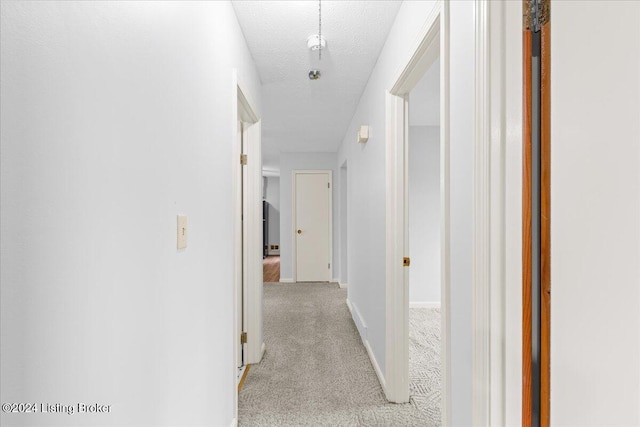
(316, 371)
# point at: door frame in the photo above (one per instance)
(294, 174)
(488, 299)
(433, 42)
(243, 109)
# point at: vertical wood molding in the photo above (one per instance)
(527, 398)
(545, 223)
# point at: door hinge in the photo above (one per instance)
(328, 185)
(329, 265)
(243, 159)
(536, 14)
(243, 338)
(406, 261)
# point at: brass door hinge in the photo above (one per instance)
(243, 159)
(406, 261)
(243, 338)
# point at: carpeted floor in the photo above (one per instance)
(424, 362)
(316, 372)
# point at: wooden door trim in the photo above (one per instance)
(545, 226)
(545, 222)
(527, 397)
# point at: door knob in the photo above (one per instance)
(299, 231)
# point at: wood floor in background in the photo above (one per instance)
(271, 268)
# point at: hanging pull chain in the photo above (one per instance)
(320, 29)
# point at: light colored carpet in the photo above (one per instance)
(316, 372)
(424, 362)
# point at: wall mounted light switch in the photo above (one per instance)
(182, 231)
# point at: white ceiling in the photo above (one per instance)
(300, 115)
(424, 99)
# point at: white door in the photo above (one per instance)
(240, 274)
(312, 219)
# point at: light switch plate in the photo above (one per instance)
(182, 231)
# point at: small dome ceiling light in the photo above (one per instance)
(316, 42)
(314, 74)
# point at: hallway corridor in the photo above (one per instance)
(315, 371)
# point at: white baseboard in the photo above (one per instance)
(335, 280)
(342, 285)
(376, 367)
(357, 319)
(424, 304)
(234, 422)
(286, 280)
(262, 350)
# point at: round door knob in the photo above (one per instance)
(299, 231)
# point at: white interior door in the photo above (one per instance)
(312, 213)
(240, 274)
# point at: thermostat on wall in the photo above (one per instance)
(363, 134)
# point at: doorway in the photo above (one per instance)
(431, 49)
(425, 251)
(344, 226)
(247, 229)
(312, 223)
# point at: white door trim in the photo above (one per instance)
(488, 258)
(482, 245)
(294, 245)
(243, 110)
(433, 41)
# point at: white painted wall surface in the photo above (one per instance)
(366, 176)
(595, 211)
(116, 117)
(424, 214)
(273, 198)
(300, 161)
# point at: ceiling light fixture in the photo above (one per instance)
(314, 74)
(316, 42)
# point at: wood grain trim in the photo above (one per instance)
(244, 377)
(527, 400)
(545, 226)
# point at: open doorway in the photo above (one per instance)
(247, 226)
(271, 227)
(344, 226)
(429, 61)
(424, 241)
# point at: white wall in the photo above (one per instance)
(595, 214)
(424, 213)
(295, 161)
(116, 117)
(366, 175)
(273, 198)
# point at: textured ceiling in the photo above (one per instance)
(300, 115)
